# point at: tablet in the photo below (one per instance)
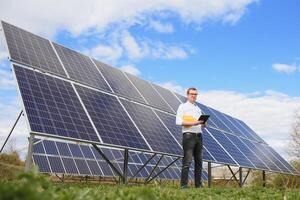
(203, 118)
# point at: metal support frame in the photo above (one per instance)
(231, 178)
(28, 161)
(144, 165)
(154, 168)
(156, 175)
(241, 177)
(209, 173)
(264, 178)
(107, 160)
(246, 176)
(125, 166)
(11, 130)
(233, 174)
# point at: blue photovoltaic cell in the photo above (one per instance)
(38, 147)
(95, 170)
(250, 132)
(169, 121)
(215, 149)
(150, 126)
(107, 171)
(52, 106)
(250, 155)
(87, 152)
(206, 155)
(214, 119)
(149, 93)
(231, 149)
(75, 150)
(82, 167)
(228, 123)
(63, 149)
(281, 159)
(119, 82)
(56, 165)
(50, 147)
(70, 165)
(29, 49)
(273, 158)
(42, 163)
(183, 99)
(240, 132)
(168, 96)
(260, 154)
(81, 68)
(110, 119)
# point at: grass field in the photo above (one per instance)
(33, 186)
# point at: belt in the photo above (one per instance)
(191, 133)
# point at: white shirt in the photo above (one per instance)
(189, 111)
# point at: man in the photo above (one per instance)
(187, 117)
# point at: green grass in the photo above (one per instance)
(34, 186)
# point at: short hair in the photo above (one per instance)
(191, 88)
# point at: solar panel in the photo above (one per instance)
(231, 149)
(250, 155)
(89, 162)
(110, 119)
(119, 82)
(220, 155)
(152, 97)
(168, 97)
(81, 68)
(27, 48)
(52, 106)
(152, 129)
(252, 145)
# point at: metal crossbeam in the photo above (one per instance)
(154, 168)
(163, 170)
(108, 161)
(144, 165)
(12, 129)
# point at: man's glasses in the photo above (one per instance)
(193, 94)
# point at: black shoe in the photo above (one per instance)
(184, 187)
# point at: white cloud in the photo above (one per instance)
(161, 27)
(173, 86)
(271, 114)
(131, 70)
(124, 45)
(131, 46)
(99, 15)
(6, 80)
(108, 53)
(285, 68)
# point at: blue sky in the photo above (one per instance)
(242, 55)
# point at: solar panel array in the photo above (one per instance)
(83, 160)
(83, 99)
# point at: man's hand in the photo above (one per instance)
(200, 122)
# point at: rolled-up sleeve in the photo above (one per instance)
(179, 115)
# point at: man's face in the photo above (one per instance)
(192, 96)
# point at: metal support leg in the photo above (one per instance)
(154, 168)
(28, 161)
(233, 174)
(264, 178)
(125, 166)
(12, 129)
(209, 173)
(246, 176)
(108, 161)
(156, 175)
(241, 177)
(144, 165)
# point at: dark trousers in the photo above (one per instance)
(192, 146)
